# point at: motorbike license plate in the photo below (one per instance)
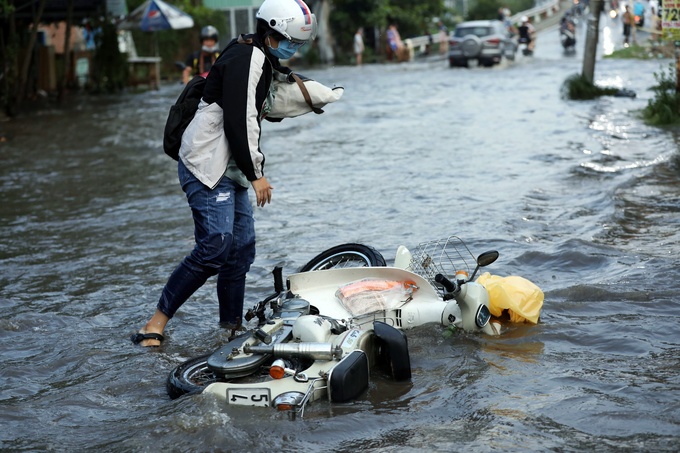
(249, 397)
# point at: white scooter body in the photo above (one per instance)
(320, 288)
(425, 307)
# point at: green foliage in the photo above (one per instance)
(634, 52)
(576, 87)
(414, 17)
(6, 8)
(664, 108)
(488, 9)
(347, 16)
(484, 10)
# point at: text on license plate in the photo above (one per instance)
(249, 396)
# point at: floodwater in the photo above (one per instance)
(581, 198)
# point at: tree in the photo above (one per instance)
(9, 50)
(23, 75)
(488, 9)
(110, 66)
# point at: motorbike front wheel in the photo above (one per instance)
(345, 255)
(190, 377)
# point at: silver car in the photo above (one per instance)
(486, 41)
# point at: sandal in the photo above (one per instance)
(139, 337)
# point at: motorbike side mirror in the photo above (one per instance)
(483, 260)
(487, 258)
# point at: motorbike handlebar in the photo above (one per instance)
(278, 279)
(445, 282)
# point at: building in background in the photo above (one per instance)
(239, 16)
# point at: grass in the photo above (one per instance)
(577, 88)
(664, 108)
(649, 51)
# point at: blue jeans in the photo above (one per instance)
(224, 230)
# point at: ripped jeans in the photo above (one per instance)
(224, 230)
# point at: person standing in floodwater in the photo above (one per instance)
(359, 45)
(218, 164)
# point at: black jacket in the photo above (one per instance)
(239, 83)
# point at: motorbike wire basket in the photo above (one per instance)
(444, 256)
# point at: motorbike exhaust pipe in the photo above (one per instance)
(316, 351)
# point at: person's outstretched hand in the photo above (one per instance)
(263, 191)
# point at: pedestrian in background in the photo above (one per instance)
(395, 46)
(443, 38)
(628, 23)
(656, 25)
(359, 45)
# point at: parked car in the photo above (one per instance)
(486, 41)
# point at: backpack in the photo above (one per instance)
(181, 115)
(184, 110)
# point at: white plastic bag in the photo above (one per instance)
(371, 294)
(289, 101)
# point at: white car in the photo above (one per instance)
(486, 41)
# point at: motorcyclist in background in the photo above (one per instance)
(200, 61)
(567, 31)
(527, 35)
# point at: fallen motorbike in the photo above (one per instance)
(342, 316)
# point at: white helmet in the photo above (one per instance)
(524, 19)
(292, 18)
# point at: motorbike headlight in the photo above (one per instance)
(288, 401)
(483, 316)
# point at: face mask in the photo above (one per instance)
(286, 49)
(209, 48)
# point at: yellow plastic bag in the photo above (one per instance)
(519, 296)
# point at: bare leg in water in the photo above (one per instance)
(156, 324)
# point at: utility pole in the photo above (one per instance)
(677, 71)
(592, 36)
